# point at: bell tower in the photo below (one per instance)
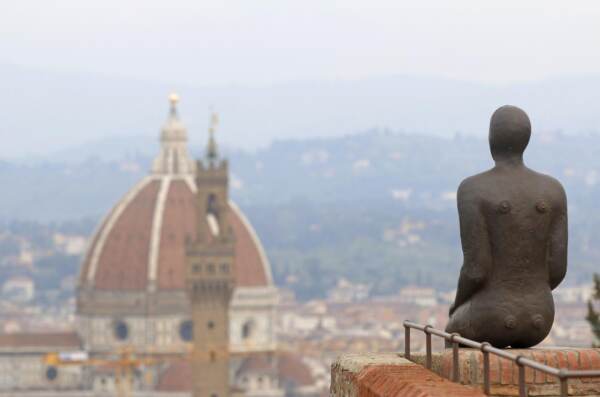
(210, 275)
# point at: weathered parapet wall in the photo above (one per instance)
(390, 375)
(504, 375)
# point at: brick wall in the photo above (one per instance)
(390, 375)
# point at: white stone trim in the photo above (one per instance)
(110, 222)
(213, 224)
(157, 221)
(189, 179)
(90, 246)
(255, 239)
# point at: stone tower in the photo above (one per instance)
(210, 275)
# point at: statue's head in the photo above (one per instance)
(510, 130)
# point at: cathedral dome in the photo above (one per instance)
(141, 243)
(133, 289)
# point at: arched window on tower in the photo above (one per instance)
(212, 214)
(212, 206)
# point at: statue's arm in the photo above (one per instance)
(475, 245)
(557, 250)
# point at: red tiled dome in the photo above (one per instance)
(140, 245)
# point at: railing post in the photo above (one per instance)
(427, 346)
(406, 342)
(564, 383)
(522, 385)
(564, 388)
(455, 363)
(486, 367)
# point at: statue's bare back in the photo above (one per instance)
(513, 227)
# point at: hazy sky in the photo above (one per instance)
(265, 41)
(75, 71)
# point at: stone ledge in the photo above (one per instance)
(390, 375)
(504, 375)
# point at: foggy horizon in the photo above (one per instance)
(193, 43)
(299, 70)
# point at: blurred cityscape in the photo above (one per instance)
(349, 319)
(345, 272)
(297, 204)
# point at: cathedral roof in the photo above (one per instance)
(292, 370)
(39, 341)
(258, 364)
(177, 377)
(141, 243)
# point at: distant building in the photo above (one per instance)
(70, 245)
(302, 323)
(419, 296)
(19, 289)
(211, 273)
(22, 365)
(26, 257)
(132, 287)
(346, 292)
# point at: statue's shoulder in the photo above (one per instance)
(550, 185)
(473, 187)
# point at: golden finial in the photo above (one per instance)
(173, 98)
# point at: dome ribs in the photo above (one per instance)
(252, 268)
(178, 222)
(123, 262)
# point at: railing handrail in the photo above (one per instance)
(563, 374)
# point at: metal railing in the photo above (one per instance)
(563, 374)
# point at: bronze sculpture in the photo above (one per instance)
(513, 229)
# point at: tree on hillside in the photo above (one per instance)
(593, 316)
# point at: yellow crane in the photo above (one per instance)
(124, 364)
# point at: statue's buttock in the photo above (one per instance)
(513, 225)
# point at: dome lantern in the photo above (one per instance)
(173, 157)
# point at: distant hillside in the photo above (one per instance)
(418, 170)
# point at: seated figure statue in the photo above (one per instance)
(513, 229)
